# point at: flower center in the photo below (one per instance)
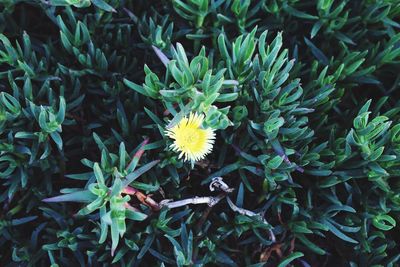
(191, 136)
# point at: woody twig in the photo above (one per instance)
(216, 183)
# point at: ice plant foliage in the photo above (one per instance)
(191, 140)
(304, 96)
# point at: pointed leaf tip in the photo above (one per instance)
(164, 59)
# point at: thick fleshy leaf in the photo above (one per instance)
(80, 196)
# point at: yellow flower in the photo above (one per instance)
(190, 139)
